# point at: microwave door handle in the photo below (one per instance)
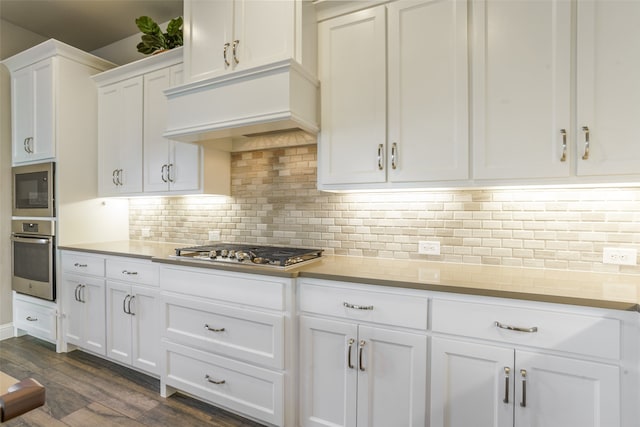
(38, 240)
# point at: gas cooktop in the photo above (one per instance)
(270, 256)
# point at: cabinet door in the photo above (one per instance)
(207, 27)
(264, 31)
(120, 137)
(156, 147)
(608, 100)
(471, 384)
(352, 69)
(428, 108)
(392, 378)
(93, 298)
(73, 323)
(119, 322)
(564, 392)
(145, 329)
(32, 112)
(521, 51)
(328, 372)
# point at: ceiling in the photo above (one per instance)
(85, 24)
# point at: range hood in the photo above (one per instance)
(274, 97)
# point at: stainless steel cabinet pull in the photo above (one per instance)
(163, 173)
(129, 305)
(124, 304)
(77, 293)
(523, 373)
(170, 172)
(209, 328)
(80, 265)
(585, 156)
(380, 157)
(224, 54)
(507, 371)
(81, 294)
(357, 307)
(32, 319)
(120, 176)
(30, 144)
(212, 381)
(113, 177)
(235, 55)
(360, 351)
(563, 132)
(516, 328)
(394, 155)
(349, 364)
(130, 273)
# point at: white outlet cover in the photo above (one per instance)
(620, 256)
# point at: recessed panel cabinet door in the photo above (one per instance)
(118, 322)
(428, 95)
(145, 330)
(352, 69)
(608, 98)
(521, 56)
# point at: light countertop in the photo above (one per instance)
(615, 291)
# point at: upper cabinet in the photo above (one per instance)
(398, 118)
(250, 67)
(521, 55)
(46, 88)
(229, 35)
(135, 157)
(608, 89)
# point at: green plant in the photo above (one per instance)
(153, 39)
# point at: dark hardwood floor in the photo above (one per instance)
(86, 391)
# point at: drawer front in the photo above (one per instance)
(132, 271)
(36, 319)
(555, 330)
(235, 332)
(246, 289)
(240, 387)
(74, 262)
(367, 305)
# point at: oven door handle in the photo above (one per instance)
(33, 240)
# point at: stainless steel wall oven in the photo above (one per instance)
(33, 249)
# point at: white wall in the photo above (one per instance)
(5, 198)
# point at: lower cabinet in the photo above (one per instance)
(35, 316)
(485, 385)
(84, 319)
(357, 375)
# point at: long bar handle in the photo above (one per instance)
(563, 133)
(212, 381)
(170, 172)
(357, 307)
(349, 349)
(80, 294)
(224, 54)
(507, 372)
(360, 351)
(516, 328)
(235, 53)
(380, 157)
(523, 373)
(587, 144)
(124, 304)
(394, 155)
(76, 292)
(209, 328)
(163, 173)
(129, 305)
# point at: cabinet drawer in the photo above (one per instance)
(83, 264)
(244, 388)
(364, 304)
(246, 289)
(38, 320)
(236, 332)
(562, 331)
(142, 272)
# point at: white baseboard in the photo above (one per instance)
(6, 331)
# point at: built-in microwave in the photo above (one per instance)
(33, 190)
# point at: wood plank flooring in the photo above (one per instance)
(86, 391)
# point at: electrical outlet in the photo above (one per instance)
(428, 247)
(620, 256)
(214, 236)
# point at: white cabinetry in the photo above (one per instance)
(134, 157)
(227, 338)
(132, 307)
(608, 92)
(83, 301)
(359, 370)
(415, 80)
(532, 367)
(35, 316)
(229, 35)
(33, 112)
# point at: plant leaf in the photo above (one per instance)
(148, 25)
(142, 48)
(174, 26)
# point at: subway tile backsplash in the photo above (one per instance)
(274, 201)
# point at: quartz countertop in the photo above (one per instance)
(605, 290)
